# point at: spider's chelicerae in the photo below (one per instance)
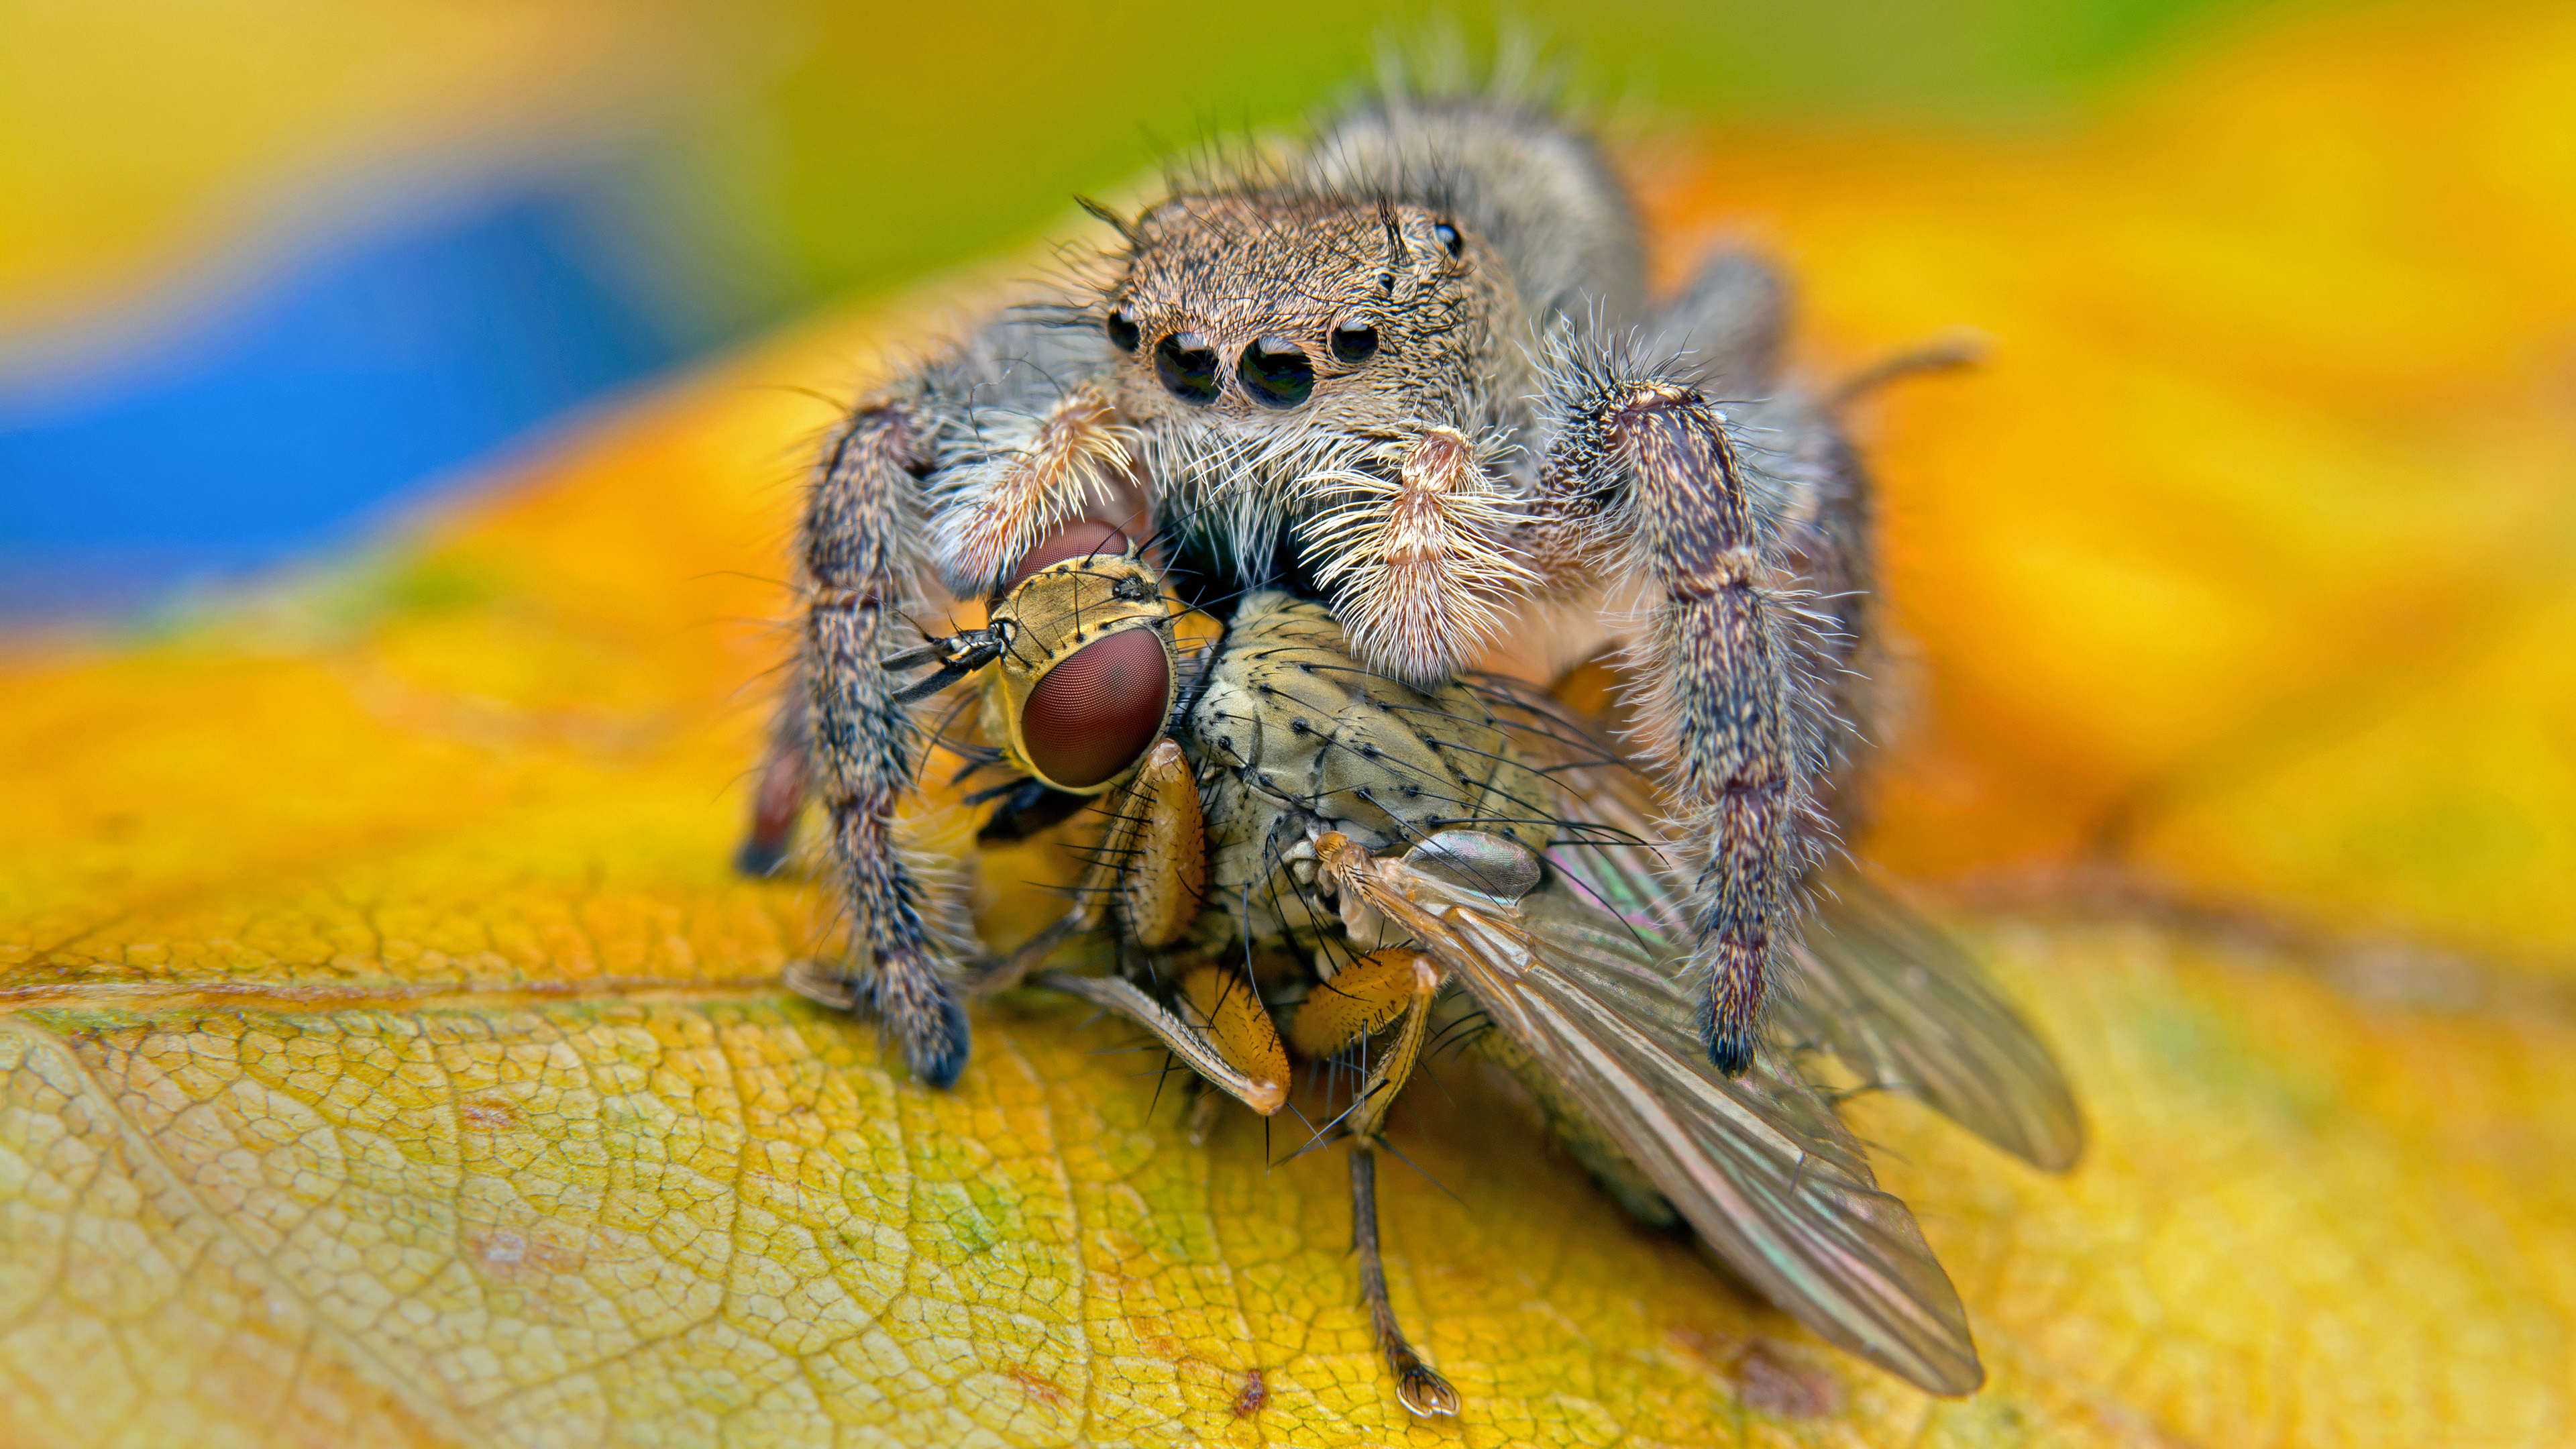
(1411, 370)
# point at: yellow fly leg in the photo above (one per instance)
(1226, 1010)
(1394, 986)
(1161, 862)
(1259, 1079)
(1153, 863)
(1383, 987)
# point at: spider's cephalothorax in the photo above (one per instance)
(1409, 371)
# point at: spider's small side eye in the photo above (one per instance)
(1354, 342)
(1187, 365)
(1449, 238)
(1121, 328)
(1275, 371)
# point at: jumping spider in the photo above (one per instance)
(1410, 370)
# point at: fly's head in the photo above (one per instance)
(1083, 670)
(1251, 314)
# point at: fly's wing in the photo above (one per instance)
(1892, 998)
(1901, 1004)
(1760, 1166)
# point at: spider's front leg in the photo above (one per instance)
(847, 733)
(1643, 476)
(862, 741)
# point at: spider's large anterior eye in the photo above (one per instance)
(1275, 371)
(1097, 712)
(1187, 366)
(1354, 342)
(1449, 238)
(1121, 328)
(1081, 538)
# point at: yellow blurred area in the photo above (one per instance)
(2248, 557)
(387, 1055)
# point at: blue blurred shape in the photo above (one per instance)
(284, 417)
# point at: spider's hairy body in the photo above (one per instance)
(1409, 371)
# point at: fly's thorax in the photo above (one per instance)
(1089, 675)
(1294, 738)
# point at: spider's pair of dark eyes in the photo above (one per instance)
(1275, 370)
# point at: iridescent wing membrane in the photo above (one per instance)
(1900, 1004)
(1759, 1165)
(1891, 997)
(1579, 973)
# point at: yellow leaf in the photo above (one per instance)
(389, 1057)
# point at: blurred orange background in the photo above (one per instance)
(472, 352)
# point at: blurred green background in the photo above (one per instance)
(268, 270)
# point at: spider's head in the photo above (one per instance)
(1263, 310)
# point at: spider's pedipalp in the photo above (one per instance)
(1418, 568)
(998, 501)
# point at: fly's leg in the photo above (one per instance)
(1382, 987)
(864, 741)
(1222, 1030)
(1152, 866)
(1645, 471)
(1419, 1387)
(1161, 858)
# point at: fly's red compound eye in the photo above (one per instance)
(1095, 713)
(1075, 540)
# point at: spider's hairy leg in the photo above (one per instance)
(993, 506)
(786, 777)
(1644, 467)
(864, 506)
(1418, 568)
